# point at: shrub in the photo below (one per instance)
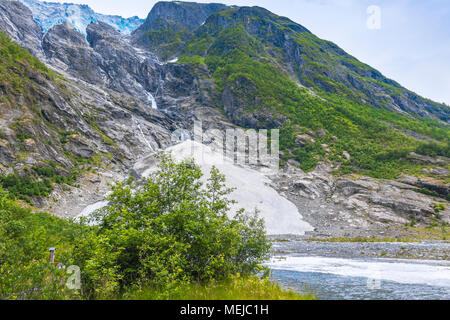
(171, 230)
(438, 207)
(25, 237)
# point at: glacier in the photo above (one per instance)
(49, 14)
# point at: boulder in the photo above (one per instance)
(304, 139)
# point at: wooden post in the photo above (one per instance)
(52, 255)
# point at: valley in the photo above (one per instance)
(88, 99)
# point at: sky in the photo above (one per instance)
(407, 40)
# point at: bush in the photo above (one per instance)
(25, 237)
(25, 187)
(169, 231)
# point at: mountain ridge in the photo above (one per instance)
(339, 119)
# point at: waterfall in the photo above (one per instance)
(143, 135)
(152, 100)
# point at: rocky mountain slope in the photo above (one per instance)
(358, 150)
(54, 130)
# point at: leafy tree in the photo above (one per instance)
(170, 230)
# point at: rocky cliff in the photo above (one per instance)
(358, 150)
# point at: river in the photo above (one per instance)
(338, 275)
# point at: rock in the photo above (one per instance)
(29, 145)
(237, 97)
(441, 172)
(79, 147)
(346, 155)
(176, 16)
(321, 133)
(413, 181)
(6, 156)
(427, 160)
(294, 162)
(17, 21)
(411, 204)
(348, 187)
(325, 147)
(435, 185)
(399, 185)
(307, 189)
(302, 140)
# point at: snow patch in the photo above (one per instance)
(89, 210)
(253, 189)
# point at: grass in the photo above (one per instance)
(237, 289)
(409, 234)
(430, 233)
(364, 240)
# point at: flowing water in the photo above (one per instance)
(362, 278)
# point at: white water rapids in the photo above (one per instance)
(431, 273)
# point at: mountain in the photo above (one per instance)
(53, 130)
(267, 71)
(49, 14)
(168, 23)
(96, 98)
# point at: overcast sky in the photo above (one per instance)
(411, 44)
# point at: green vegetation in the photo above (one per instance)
(170, 232)
(36, 182)
(24, 241)
(438, 207)
(248, 66)
(237, 288)
(192, 60)
(25, 187)
(65, 134)
(168, 40)
(16, 66)
(168, 238)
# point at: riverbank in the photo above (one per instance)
(422, 250)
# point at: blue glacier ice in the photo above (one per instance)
(49, 14)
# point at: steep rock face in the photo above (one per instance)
(107, 60)
(315, 62)
(66, 126)
(241, 94)
(67, 49)
(191, 15)
(176, 19)
(17, 21)
(353, 206)
(104, 111)
(125, 70)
